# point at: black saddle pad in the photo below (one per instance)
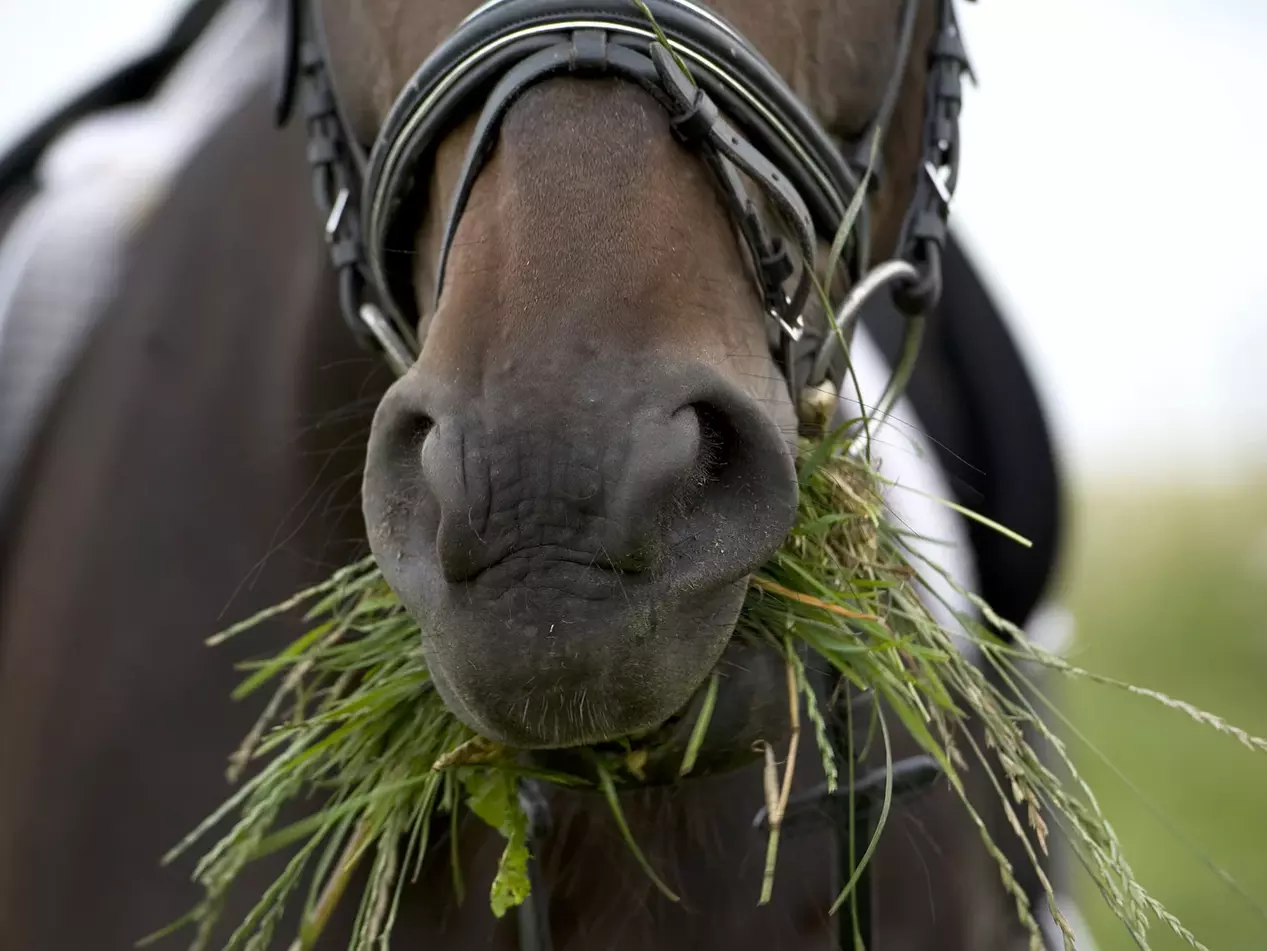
(978, 404)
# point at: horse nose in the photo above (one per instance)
(587, 489)
(686, 480)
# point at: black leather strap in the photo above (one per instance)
(695, 28)
(766, 133)
(698, 121)
(924, 230)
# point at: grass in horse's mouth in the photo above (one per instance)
(356, 720)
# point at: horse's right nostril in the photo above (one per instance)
(717, 444)
(454, 471)
(401, 429)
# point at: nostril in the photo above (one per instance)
(415, 427)
(395, 501)
(453, 471)
(677, 471)
(716, 439)
(727, 453)
(403, 432)
(660, 462)
(742, 499)
(393, 479)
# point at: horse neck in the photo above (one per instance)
(202, 462)
(699, 837)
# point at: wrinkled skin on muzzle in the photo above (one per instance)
(571, 487)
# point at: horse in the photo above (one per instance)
(568, 484)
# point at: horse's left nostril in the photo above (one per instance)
(742, 494)
(715, 438)
(663, 468)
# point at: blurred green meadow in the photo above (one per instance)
(1169, 590)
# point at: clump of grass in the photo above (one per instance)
(355, 720)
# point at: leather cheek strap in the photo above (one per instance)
(698, 121)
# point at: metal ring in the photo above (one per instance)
(922, 294)
(851, 309)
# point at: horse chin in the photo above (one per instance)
(536, 669)
(560, 728)
(749, 707)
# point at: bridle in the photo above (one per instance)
(727, 104)
(740, 118)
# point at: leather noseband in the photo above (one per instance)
(725, 102)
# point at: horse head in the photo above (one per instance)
(595, 446)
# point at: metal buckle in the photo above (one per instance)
(938, 176)
(394, 348)
(794, 332)
(335, 217)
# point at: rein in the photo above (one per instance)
(728, 106)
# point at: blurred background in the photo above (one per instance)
(1112, 188)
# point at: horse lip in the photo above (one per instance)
(666, 746)
(599, 572)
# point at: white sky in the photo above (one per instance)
(1112, 183)
(1112, 179)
